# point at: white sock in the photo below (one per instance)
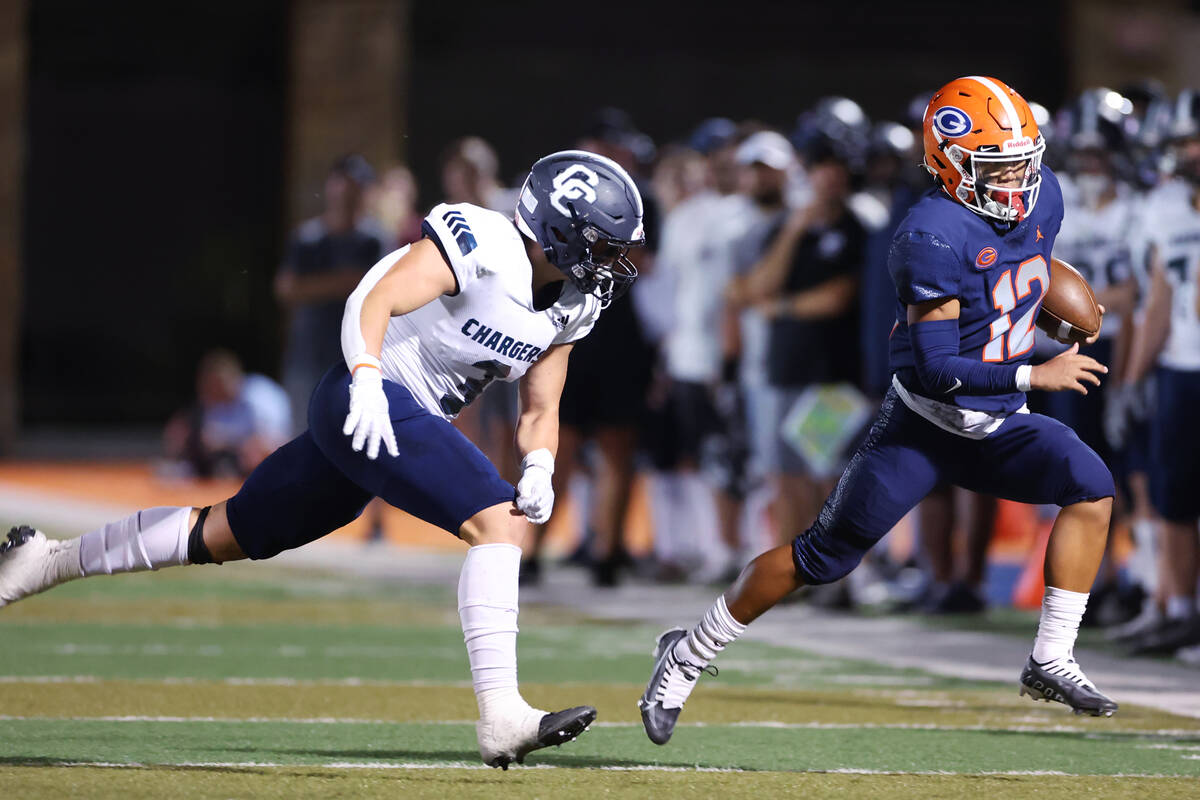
(149, 539)
(704, 642)
(1061, 614)
(487, 608)
(1180, 606)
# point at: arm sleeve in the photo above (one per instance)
(923, 267)
(943, 371)
(353, 344)
(449, 228)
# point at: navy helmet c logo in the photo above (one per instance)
(951, 122)
(574, 183)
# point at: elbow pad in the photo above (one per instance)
(943, 371)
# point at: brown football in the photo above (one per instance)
(1069, 311)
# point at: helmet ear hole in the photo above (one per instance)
(938, 161)
(559, 235)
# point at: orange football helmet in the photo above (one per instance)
(978, 129)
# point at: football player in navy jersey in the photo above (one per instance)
(971, 266)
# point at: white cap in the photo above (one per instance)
(767, 147)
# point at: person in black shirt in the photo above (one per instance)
(326, 258)
(807, 285)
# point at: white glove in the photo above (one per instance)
(535, 491)
(368, 420)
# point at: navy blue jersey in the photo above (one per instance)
(999, 275)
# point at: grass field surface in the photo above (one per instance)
(250, 680)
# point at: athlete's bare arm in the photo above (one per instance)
(420, 276)
(540, 390)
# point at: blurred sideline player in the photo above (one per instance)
(1168, 340)
(971, 265)
(425, 332)
(1101, 211)
(701, 455)
(604, 397)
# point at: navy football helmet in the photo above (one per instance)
(586, 213)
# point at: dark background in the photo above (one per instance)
(155, 169)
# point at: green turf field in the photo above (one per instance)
(255, 681)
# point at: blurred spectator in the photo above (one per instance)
(769, 167)
(881, 206)
(392, 201)
(1101, 211)
(325, 259)
(696, 431)
(1168, 341)
(236, 421)
(954, 584)
(604, 399)
(807, 285)
(679, 174)
(471, 174)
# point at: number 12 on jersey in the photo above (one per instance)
(1008, 340)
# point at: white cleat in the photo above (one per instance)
(501, 742)
(31, 563)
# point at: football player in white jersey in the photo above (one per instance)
(481, 297)
(1168, 341)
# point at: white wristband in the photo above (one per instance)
(541, 457)
(1024, 376)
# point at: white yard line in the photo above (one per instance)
(461, 765)
(764, 724)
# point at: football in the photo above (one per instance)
(1069, 311)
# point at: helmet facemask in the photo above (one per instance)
(978, 168)
(595, 262)
(976, 190)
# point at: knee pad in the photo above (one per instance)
(824, 555)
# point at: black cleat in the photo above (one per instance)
(17, 536)
(556, 728)
(1062, 681)
(670, 684)
(1167, 637)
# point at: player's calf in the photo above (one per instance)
(147, 540)
(508, 728)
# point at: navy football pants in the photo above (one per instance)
(1030, 458)
(1175, 446)
(316, 483)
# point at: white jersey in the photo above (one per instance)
(696, 250)
(1172, 227)
(448, 351)
(1096, 241)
